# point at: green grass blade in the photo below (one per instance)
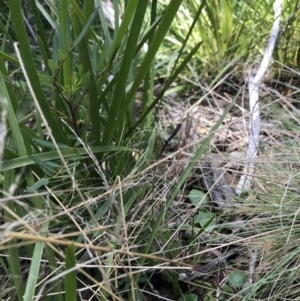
(126, 20)
(41, 31)
(166, 86)
(104, 25)
(40, 183)
(10, 93)
(84, 57)
(85, 28)
(12, 251)
(227, 23)
(153, 48)
(124, 71)
(194, 23)
(148, 34)
(26, 53)
(88, 7)
(35, 268)
(65, 39)
(6, 33)
(8, 57)
(12, 118)
(83, 16)
(45, 13)
(53, 264)
(44, 55)
(53, 155)
(70, 278)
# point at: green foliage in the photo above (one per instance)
(237, 279)
(197, 197)
(85, 204)
(230, 30)
(189, 297)
(205, 219)
(73, 121)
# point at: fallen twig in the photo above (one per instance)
(167, 142)
(246, 287)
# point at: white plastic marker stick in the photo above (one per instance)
(254, 83)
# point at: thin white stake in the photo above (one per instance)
(254, 83)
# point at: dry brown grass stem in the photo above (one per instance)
(55, 241)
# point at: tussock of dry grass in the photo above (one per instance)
(270, 211)
(110, 242)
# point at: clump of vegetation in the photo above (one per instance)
(98, 201)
